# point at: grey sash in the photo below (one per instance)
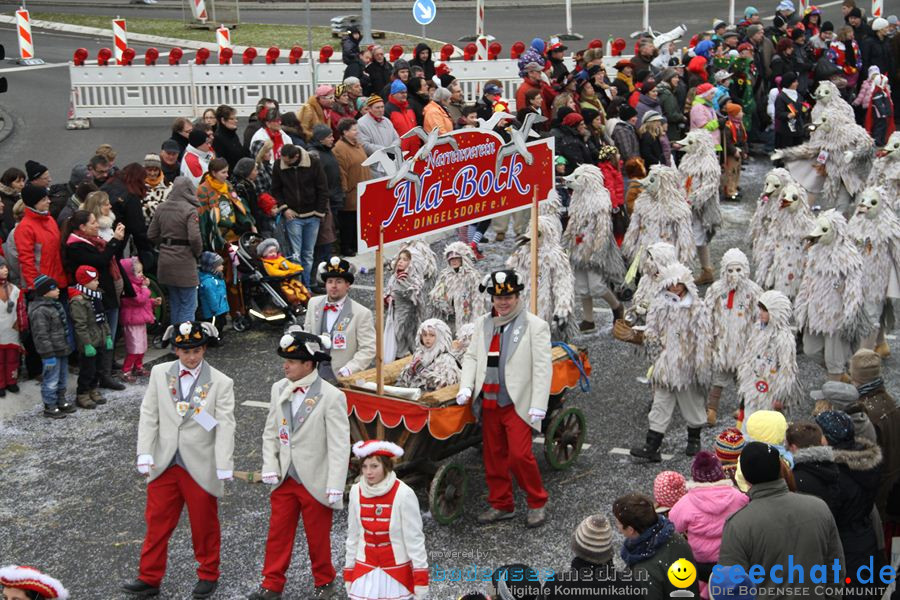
(313, 394)
(343, 320)
(202, 381)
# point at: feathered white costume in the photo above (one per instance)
(427, 264)
(435, 367)
(780, 262)
(885, 172)
(731, 302)
(876, 230)
(829, 307)
(404, 294)
(701, 176)
(766, 206)
(767, 372)
(827, 95)
(677, 340)
(589, 240)
(455, 296)
(661, 214)
(655, 258)
(841, 148)
(556, 282)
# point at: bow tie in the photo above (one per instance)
(185, 372)
(330, 306)
(300, 389)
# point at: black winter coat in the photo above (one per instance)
(651, 151)
(877, 52)
(85, 253)
(246, 191)
(332, 174)
(129, 211)
(227, 144)
(574, 148)
(427, 64)
(379, 77)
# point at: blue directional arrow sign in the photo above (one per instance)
(424, 11)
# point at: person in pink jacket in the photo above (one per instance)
(134, 315)
(703, 115)
(701, 513)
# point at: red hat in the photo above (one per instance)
(703, 88)
(441, 69)
(85, 274)
(29, 579)
(572, 119)
(668, 488)
(377, 448)
(266, 202)
(745, 46)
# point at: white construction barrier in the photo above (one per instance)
(188, 89)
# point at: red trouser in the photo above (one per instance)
(9, 365)
(166, 496)
(506, 443)
(289, 500)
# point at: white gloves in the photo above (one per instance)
(334, 495)
(536, 414)
(270, 478)
(777, 155)
(225, 475)
(344, 372)
(144, 463)
(462, 398)
(420, 592)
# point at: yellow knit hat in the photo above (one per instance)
(767, 426)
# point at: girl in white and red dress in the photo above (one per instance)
(386, 556)
(27, 583)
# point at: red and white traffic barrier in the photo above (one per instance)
(877, 8)
(198, 8)
(23, 26)
(120, 40)
(223, 39)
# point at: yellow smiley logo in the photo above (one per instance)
(682, 573)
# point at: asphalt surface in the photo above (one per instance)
(74, 504)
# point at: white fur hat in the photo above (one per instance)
(377, 448)
(879, 24)
(733, 256)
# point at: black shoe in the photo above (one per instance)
(2, 392)
(108, 383)
(650, 449)
(264, 594)
(693, 443)
(139, 588)
(67, 407)
(204, 588)
(53, 412)
(14, 388)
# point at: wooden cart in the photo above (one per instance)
(435, 428)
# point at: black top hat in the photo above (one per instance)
(191, 334)
(337, 267)
(299, 345)
(502, 283)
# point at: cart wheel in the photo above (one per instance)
(241, 324)
(564, 438)
(447, 493)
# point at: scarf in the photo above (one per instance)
(100, 244)
(96, 298)
(221, 187)
(490, 389)
(153, 182)
(277, 142)
(648, 543)
(869, 389)
(622, 77)
(8, 191)
(379, 489)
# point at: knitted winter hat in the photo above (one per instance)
(879, 24)
(729, 445)
(34, 169)
(750, 11)
(85, 274)
(706, 468)
(152, 161)
(668, 488)
(760, 463)
(44, 284)
(398, 87)
(704, 88)
(827, 26)
(626, 112)
(32, 194)
(788, 79)
(865, 366)
(767, 426)
(320, 132)
(209, 261)
(652, 115)
(197, 138)
(572, 119)
(266, 202)
(753, 30)
(592, 540)
(79, 175)
(735, 584)
(837, 427)
(324, 90)
(170, 145)
(244, 167)
(785, 5)
(374, 99)
(400, 64)
(264, 245)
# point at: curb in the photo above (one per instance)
(328, 5)
(9, 125)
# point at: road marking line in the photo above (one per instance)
(255, 404)
(33, 67)
(540, 440)
(627, 452)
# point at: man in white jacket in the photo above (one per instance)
(306, 450)
(506, 372)
(185, 445)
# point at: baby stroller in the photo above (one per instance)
(263, 296)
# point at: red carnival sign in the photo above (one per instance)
(455, 179)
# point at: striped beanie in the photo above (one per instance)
(729, 444)
(374, 99)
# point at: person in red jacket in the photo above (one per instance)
(402, 116)
(608, 163)
(533, 81)
(37, 240)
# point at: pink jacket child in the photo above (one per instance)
(134, 315)
(701, 513)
